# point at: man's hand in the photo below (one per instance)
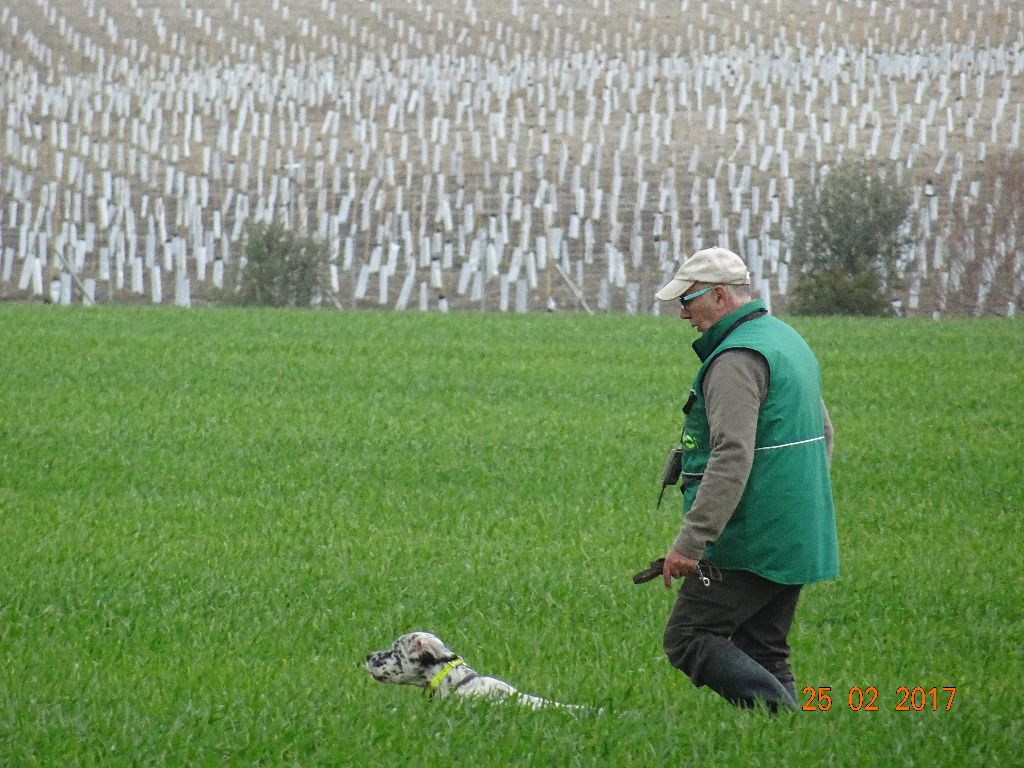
(676, 567)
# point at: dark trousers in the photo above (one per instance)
(732, 637)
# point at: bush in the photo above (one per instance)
(280, 268)
(847, 239)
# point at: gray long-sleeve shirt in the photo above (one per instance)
(734, 387)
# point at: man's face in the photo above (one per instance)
(705, 310)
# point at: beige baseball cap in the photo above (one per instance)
(717, 266)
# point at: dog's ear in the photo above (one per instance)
(427, 647)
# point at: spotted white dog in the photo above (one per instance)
(423, 660)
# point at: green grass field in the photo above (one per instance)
(209, 517)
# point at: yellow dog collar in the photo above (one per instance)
(431, 689)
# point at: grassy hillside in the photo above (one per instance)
(208, 518)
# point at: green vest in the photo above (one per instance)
(784, 527)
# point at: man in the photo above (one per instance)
(757, 497)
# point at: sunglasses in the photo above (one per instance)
(684, 301)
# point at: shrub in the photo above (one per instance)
(280, 268)
(847, 237)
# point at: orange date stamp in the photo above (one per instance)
(908, 699)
